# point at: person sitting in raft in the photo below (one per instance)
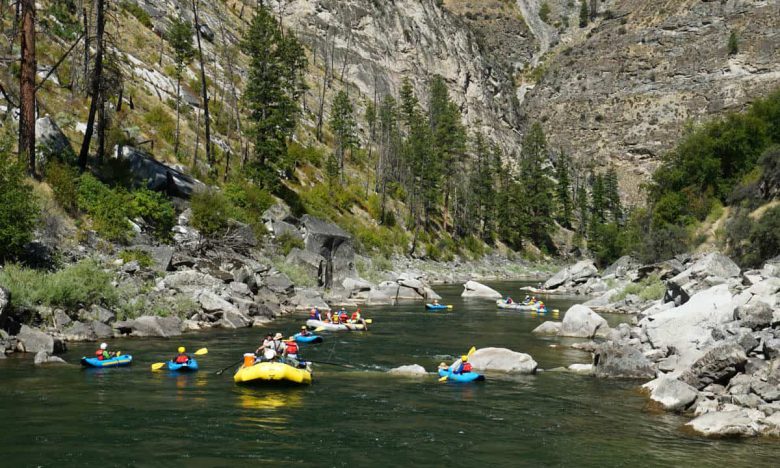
(509, 300)
(527, 299)
(267, 344)
(343, 317)
(304, 331)
(542, 307)
(315, 314)
(291, 352)
(358, 318)
(435, 302)
(328, 316)
(182, 357)
(103, 353)
(464, 367)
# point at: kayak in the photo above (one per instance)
(271, 372)
(501, 304)
(437, 307)
(308, 338)
(189, 366)
(334, 327)
(118, 361)
(465, 377)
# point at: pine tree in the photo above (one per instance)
(180, 39)
(389, 148)
(344, 128)
(584, 15)
(538, 199)
(612, 195)
(409, 103)
(582, 210)
(563, 190)
(597, 204)
(273, 89)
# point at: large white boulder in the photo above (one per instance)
(581, 322)
(737, 423)
(548, 328)
(579, 272)
(413, 370)
(474, 289)
(503, 360)
(672, 394)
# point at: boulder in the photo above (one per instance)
(334, 245)
(211, 303)
(50, 141)
(621, 267)
(150, 326)
(234, 319)
(189, 281)
(739, 423)
(310, 262)
(718, 365)
(582, 322)
(474, 289)
(43, 357)
(79, 331)
(278, 212)
(413, 370)
(715, 264)
(408, 293)
(664, 270)
(755, 315)
(380, 297)
(154, 175)
(612, 360)
(96, 312)
(306, 299)
(772, 348)
(279, 283)
(35, 340)
(672, 394)
(577, 273)
(354, 285)
(503, 360)
(582, 369)
(61, 319)
(548, 328)
(279, 228)
(102, 330)
(162, 255)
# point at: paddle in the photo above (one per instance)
(332, 364)
(159, 365)
(471, 351)
(219, 372)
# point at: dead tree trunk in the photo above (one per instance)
(27, 87)
(203, 85)
(97, 77)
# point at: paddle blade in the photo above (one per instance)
(319, 329)
(201, 352)
(369, 321)
(449, 307)
(443, 379)
(471, 351)
(157, 366)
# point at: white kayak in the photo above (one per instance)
(502, 304)
(334, 327)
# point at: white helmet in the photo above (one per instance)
(269, 354)
(103, 346)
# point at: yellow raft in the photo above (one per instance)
(271, 372)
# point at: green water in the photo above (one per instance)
(66, 416)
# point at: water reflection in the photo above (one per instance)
(274, 399)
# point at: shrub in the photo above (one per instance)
(544, 12)
(108, 208)
(139, 13)
(297, 274)
(249, 202)
(63, 180)
(733, 44)
(77, 285)
(139, 256)
(210, 212)
(288, 241)
(650, 288)
(161, 123)
(19, 210)
(156, 209)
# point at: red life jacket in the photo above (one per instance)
(181, 359)
(99, 354)
(343, 317)
(355, 315)
(292, 347)
(467, 367)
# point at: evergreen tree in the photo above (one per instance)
(409, 103)
(582, 210)
(733, 43)
(538, 199)
(563, 190)
(584, 15)
(344, 128)
(612, 195)
(273, 89)
(597, 205)
(389, 148)
(180, 39)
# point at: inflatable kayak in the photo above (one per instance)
(501, 304)
(118, 361)
(271, 372)
(308, 338)
(465, 377)
(437, 307)
(189, 366)
(334, 327)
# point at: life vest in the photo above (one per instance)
(99, 354)
(343, 317)
(356, 316)
(181, 359)
(292, 347)
(466, 368)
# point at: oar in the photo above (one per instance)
(159, 365)
(471, 351)
(219, 372)
(331, 364)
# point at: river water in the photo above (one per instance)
(66, 416)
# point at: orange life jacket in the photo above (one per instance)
(343, 317)
(467, 367)
(181, 359)
(356, 316)
(99, 354)
(292, 347)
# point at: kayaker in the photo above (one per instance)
(182, 357)
(103, 352)
(435, 302)
(304, 331)
(465, 365)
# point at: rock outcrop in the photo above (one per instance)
(412, 370)
(502, 360)
(474, 289)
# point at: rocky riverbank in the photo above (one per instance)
(709, 345)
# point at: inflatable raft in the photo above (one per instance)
(437, 307)
(271, 372)
(308, 338)
(334, 327)
(502, 304)
(117, 361)
(465, 377)
(189, 366)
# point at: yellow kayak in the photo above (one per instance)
(269, 372)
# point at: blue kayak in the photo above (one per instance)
(307, 339)
(118, 361)
(189, 366)
(465, 377)
(436, 306)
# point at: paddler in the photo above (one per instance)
(267, 344)
(358, 318)
(103, 353)
(291, 351)
(304, 331)
(464, 367)
(343, 317)
(182, 357)
(315, 314)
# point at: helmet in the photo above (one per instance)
(181, 349)
(303, 327)
(103, 346)
(464, 358)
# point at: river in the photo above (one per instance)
(66, 416)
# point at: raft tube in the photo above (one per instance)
(189, 366)
(334, 327)
(308, 338)
(271, 372)
(117, 361)
(465, 377)
(501, 304)
(437, 306)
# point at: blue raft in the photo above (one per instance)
(307, 339)
(465, 377)
(436, 307)
(189, 366)
(118, 361)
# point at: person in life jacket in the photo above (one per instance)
(291, 348)
(464, 367)
(509, 300)
(357, 317)
(542, 307)
(328, 316)
(343, 317)
(103, 353)
(267, 344)
(182, 357)
(304, 331)
(315, 314)
(527, 299)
